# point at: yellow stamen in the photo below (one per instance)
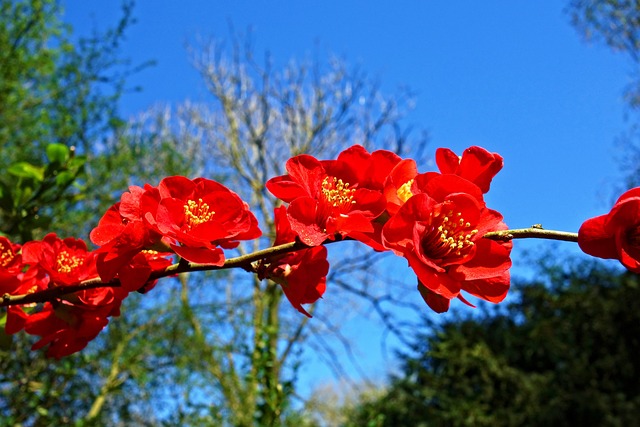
(449, 236)
(337, 192)
(404, 192)
(196, 213)
(66, 262)
(6, 255)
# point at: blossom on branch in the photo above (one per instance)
(339, 197)
(439, 231)
(68, 322)
(122, 234)
(301, 274)
(198, 218)
(66, 261)
(615, 235)
(10, 266)
(436, 220)
(476, 165)
(194, 218)
(68, 328)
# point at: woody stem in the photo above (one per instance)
(248, 263)
(243, 261)
(531, 233)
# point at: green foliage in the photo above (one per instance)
(617, 24)
(57, 100)
(28, 190)
(564, 353)
(220, 353)
(49, 85)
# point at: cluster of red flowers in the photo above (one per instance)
(66, 324)
(195, 219)
(436, 220)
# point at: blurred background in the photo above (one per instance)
(230, 90)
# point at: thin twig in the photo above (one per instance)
(243, 261)
(247, 262)
(534, 232)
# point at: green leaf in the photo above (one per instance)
(64, 178)
(26, 170)
(57, 153)
(77, 162)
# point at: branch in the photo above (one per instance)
(246, 262)
(534, 232)
(243, 261)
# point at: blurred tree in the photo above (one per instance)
(245, 345)
(617, 24)
(208, 349)
(55, 90)
(58, 99)
(564, 353)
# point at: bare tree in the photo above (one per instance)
(243, 345)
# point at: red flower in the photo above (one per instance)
(67, 261)
(615, 235)
(69, 322)
(198, 216)
(357, 165)
(10, 266)
(302, 274)
(33, 280)
(339, 197)
(122, 228)
(122, 234)
(398, 185)
(67, 328)
(476, 165)
(441, 237)
(137, 272)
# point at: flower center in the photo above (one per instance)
(449, 236)
(337, 193)
(66, 262)
(404, 192)
(6, 255)
(633, 236)
(196, 213)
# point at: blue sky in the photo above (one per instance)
(513, 77)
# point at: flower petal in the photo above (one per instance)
(594, 240)
(211, 256)
(302, 214)
(436, 302)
